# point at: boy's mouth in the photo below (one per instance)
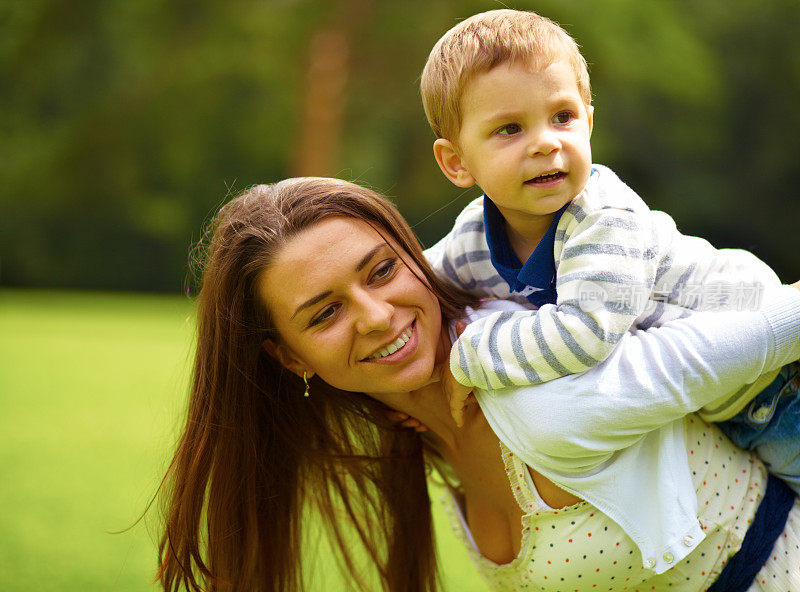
(547, 177)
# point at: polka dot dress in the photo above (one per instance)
(781, 572)
(579, 549)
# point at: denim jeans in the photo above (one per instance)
(770, 426)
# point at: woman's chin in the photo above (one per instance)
(404, 386)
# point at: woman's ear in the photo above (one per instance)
(286, 358)
(449, 160)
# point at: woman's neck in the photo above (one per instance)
(429, 405)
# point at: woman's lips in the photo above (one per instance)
(402, 353)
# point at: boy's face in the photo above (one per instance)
(524, 138)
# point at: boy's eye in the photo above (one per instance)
(510, 129)
(384, 270)
(562, 117)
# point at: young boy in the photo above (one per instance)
(507, 95)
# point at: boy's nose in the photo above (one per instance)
(543, 143)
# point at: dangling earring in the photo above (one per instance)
(306, 393)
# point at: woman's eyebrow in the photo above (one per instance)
(363, 263)
(322, 296)
(311, 302)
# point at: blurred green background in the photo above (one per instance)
(125, 124)
(92, 388)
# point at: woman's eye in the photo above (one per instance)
(563, 117)
(325, 315)
(510, 129)
(384, 270)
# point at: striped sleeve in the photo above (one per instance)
(604, 279)
(654, 377)
(462, 256)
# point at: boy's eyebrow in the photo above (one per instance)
(552, 101)
(323, 295)
(564, 97)
(505, 114)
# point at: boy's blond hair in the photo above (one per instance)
(480, 43)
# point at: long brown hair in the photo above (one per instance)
(255, 453)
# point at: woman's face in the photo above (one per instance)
(350, 310)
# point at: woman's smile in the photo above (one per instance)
(356, 315)
(398, 350)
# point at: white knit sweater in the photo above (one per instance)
(614, 435)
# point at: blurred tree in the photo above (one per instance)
(126, 124)
(318, 148)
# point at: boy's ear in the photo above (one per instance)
(589, 114)
(286, 358)
(450, 162)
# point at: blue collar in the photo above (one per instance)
(536, 280)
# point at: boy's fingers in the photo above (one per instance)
(457, 411)
(460, 326)
(436, 376)
(404, 420)
(415, 424)
(396, 416)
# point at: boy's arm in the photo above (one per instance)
(605, 276)
(462, 256)
(652, 378)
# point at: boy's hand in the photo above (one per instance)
(406, 421)
(458, 395)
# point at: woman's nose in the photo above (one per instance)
(373, 313)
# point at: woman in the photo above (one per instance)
(318, 287)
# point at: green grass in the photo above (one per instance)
(92, 390)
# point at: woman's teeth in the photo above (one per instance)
(394, 346)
